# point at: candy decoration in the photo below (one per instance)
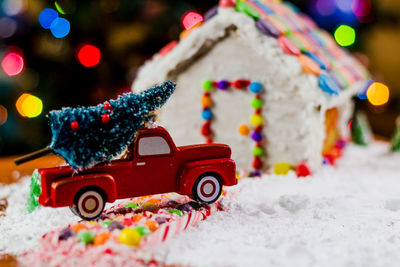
(207, 85)
(105, 118)
(282, 168)
(74, 126)
(257, 163)
(309, 66)
(240, 84)
(206, 114)
(66, 233)
(244, 130)
(267, 28)
(206, 129)
(130, 237)
(34, 192)
(288, 46)
(168, 48)
(78, 227)
(256, 103)
(303, 170)
(114, 225)
(131, 205)
(256, 120)
(317, 60)
(152, 225)
(107, 106)
(247, 9)
(143, 230)
(223, 85)
(176, 211)
(206, 102)
(227, 3)
(101, 239)
(86, 237)
(258, 151)
(255, 87)
(211, 13)
(328, 85)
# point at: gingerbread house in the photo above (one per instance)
(261, 77)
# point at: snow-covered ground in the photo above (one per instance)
(343, 216)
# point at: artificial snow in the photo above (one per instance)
(347, 215)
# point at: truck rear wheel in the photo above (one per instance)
(89, 204)
(207, 188)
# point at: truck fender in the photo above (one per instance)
(64, 191)
(224, 168)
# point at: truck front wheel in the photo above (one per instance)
(207, 188)
(89, 204)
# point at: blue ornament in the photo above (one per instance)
(255, 87)
(206, 114)
(328, 85)
(46, 17)
(60, 27)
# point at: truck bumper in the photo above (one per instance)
(45, 201)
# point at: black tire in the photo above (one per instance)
(89, 203)
(207, 188)
(74, 210)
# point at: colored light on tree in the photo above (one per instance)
(89, 55)
(12, 64)
(29, 106)
(46, 17)
(3, 115)
(60, 27)
(378, 94)
(345, 35)
(191, 19)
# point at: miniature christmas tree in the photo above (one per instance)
(396, 137)
(360, 130)
(34, 192)
(86, 136)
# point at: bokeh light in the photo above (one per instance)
(191, 19)
(29, 106)
(89, 55)
(60, 27)
(13, 7)
(8, 27)
(344, 5)
(59, 8)
(378, 94)
(361, 8)
(46, 17)
(325, 8)
(3, 115)
(12, 64)
(345, 35)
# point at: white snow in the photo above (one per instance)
(343, 216)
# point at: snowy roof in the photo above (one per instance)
(296, 34)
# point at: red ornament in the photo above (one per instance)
(107, 106)
(74, 125)
(105, 118)
(206, 129)
(209, 141)
(303, 170)
(240, 84)
(227, 3)
(257, 163)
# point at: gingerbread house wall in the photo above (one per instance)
(292, 110)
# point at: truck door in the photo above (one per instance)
(154, 164)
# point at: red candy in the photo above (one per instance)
(74, 125)
(227, 3)
(303, 170)
(206, 129)
(257, 163)
(240, 84)
(288, 46)
(105, 118)
(166, 49)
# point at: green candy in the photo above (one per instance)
(207, 85)
(131, 205)
(256, 103)
(258, 151)
(143, 230)
(177, 212)
(86, 237)
(106, 223)
(247, 9)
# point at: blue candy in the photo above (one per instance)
(328, 85)
(255, 87)
(206, 114)
(317, 60)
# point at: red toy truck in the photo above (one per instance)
(152, 165)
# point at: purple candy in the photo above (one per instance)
(211, 13)
(223, 85)
(66, 233)
(185, 207)
(115, 225)
(160, 220)
(256, 136)
(267, 28)
(172, 203)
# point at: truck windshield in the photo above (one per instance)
(153, 145)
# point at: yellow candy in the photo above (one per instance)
(130, 237)
(244, 129)
(282, 168)
(256, 120)
(206, 101)
(92, 223)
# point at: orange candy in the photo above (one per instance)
(206, 101)
(244, 129)
(102, 238)
(309, 65)
(153, 225)
(137, 218)
(77, 227)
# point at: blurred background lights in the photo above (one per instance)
(13, 7)
(3, 115)
(12, 64)
(191, 19)
(8, 26)
(60, 27)
(59, 8)
(46, 17)
(344, 5)
(361, 8)
(89, 55)
(345, 35)
(325, 8)
(29, 106)
(378, 94)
